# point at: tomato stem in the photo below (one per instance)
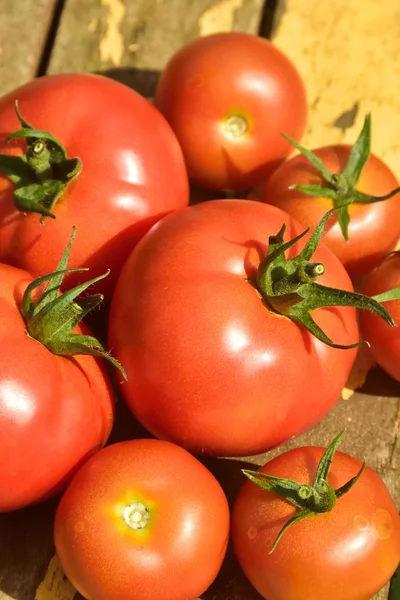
(320, 497)
(42, 174)
(341, 187)
(136, 515)
(52, 318)
(289, 287)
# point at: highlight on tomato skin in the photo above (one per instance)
(384, 341)
(228, 97)
(349, 553)
(311, 182)
(142, 520)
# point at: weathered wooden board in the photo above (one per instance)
(24, 26)
(348, 54)
(341, 49)
(132, 40)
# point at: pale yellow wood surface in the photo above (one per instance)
(348, 52)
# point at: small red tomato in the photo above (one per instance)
(228, 97)
(384, 340)
(373, 227)
(142, 520)
(347, 553)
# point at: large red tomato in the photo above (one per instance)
(346, 554)
(384, 340)
(55, 411)
(228, 97)
(373, 229)
(132, 173)
(209, 365)
(142, 519)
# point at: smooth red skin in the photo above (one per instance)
(374, 228)
(217, 75)
(384, 340)
(54, 411)
(133, 174)
(346, 554)
(209, 367)
(176, 557)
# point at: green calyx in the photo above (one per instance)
(42, 174)
(52, 318)
(289, 288)
(318, 498)
(341, 187)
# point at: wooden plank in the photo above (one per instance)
(132, 41)
(347, 52)
(24, 27)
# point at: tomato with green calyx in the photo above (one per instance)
(384, 284)
(56, 401)
(357, 183)
(230, 345)
(315, 525)
(142, 519)
(90, 152)
(228, 118)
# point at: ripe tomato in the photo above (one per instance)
(373, 229)
(208, 365)
(384, 340)
(142, 519)
(132, 174)
(228, 97)
(346, 554)
(55, 411)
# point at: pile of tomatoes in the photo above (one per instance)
(232, 327)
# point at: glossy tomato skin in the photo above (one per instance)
(346, 554)
(384, 340)
(176, 556)
(54, 411)
(374, 228)
(217, 77)
(209, 366)
(133, 174)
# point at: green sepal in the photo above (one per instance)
(310, 500)
(393, 294)
(42, 174)
(341, 187)
(52, 317)
(289, 286)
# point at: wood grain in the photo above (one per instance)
(24, 26)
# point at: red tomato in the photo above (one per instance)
(384, 340)
(208, 365)
(373, 229)
(142, 519)
(55, 411)
(228, 97)
(133, 173)
(346, 554)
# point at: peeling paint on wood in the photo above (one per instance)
(146, 35)
(55, 586)
(112, 44)
(347, 52)
(219, 18)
